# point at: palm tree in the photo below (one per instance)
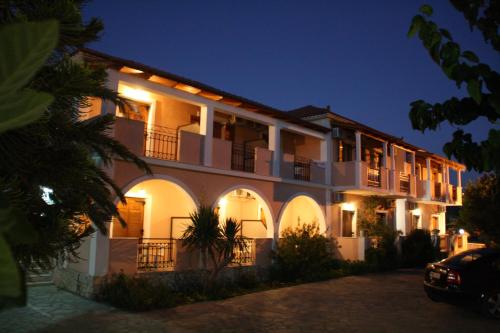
(61, 155)
(215, 242)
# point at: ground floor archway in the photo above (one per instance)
(155, 208)
(301, 209)
(250, 209)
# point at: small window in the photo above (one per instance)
(347, 218)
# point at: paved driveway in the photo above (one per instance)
(392, 302)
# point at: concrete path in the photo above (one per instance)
(393, 302)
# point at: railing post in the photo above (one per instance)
(326, 157)
(206, 129)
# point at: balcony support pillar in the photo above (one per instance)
(459, 178)
(275, 147)
(326, 157)
(413, 163)
(428, 193)
(207, 129)
(384, 154)
(357, 171)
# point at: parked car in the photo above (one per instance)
(471, 277)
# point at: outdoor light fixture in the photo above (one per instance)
(223, 202)
(461, 231)
(136, 94)
(46, 192)
(416, 212)
(348, 206)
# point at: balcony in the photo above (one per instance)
(302, 168)
(404, 183)
(160, 143)
(374, 178)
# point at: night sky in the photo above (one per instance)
(352, 55)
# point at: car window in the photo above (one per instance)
(463, 259)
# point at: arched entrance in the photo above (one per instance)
(301, 209)
(250, 209)
(156, 208)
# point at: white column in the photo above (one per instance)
(413, 163)
(428, 181)
(99, 254)
(358, 146)
(459, 178)
(401, 215)
(328, 212)
(326, 157)
(207, 129)
(108, 107)
(357, 171)
(275, 147)
(393, 158)
(384, 154)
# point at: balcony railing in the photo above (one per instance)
(437, 191)
(245, 255)
(454, 196)
(161, 143)
(242, 157)
(155, 254)
(374, 177)
(404, 183)
(302, 168)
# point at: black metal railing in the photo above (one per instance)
(155, 254)
(404, 183)
(302, 168)
(437, 191)
(244, 255)
(242, 157)
(374, 177)
(161, 143)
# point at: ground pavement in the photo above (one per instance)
(392, 302)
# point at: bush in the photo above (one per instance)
(136, 293)
(302, 254)
(385, 255)
(417, 249)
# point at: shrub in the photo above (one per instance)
(136, 293)
(417, 249)
(385, 255)
(302, 254)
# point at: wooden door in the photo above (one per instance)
(133, 214)
(347, 217)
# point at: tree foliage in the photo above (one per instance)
(302, 253)
(464, 68)
(216, 243)
(481, 209)
(53, 171)
(369, 220)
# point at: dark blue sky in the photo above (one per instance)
(351, 55)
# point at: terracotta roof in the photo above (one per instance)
(117, 63)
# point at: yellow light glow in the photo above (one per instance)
(222, 202)
(136, 94)
(137, 194)
(416, 212)
(348, 206)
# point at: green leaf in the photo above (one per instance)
(471, 56)
(474, 90)
(446, 34)
(22, 108)
(25, 48)
(10, 281)
(415, 26)
(426, 10)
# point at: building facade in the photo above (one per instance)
(266, 168)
